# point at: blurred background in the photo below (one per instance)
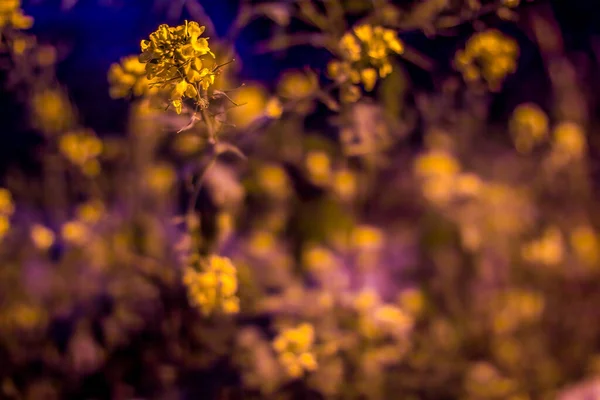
(368, 199)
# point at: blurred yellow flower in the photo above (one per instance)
(548, 250)
(42, 237)
(252, 100)
(11, 15)
(294, 347)
(51, 111)
(344, 184)
(214, 287)
(297, 84)
(586, 244)
(129, 76)
(318, 166)
(4, 226)
(90, 212)
(7, 206)
(528, 126)
(318, 258)
(367, 237)
(489, 54)
(160, 177)
(273, 108)
(273, 180)
(82, 148)
(569, 142)
(75, 232)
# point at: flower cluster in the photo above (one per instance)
(365, 57)
(129, 76)
(175, 60)
(489, 55)
(294, 349)
(529, 126)
(12, 16)
(82, 148)
(214, 287)
(6, 210)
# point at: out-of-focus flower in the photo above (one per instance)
(12, 16)
(483, 380)
(367, 237)
(385, 320)
(413, 301)
(515, 308)
(75, 232)
(160, 178)
(214, 286)
(318, 166)
(297, 84)
(318, 259)
(489, 55)
(437, 172)
(344, 184)
(585, 244)
(528, 126)
(51, 111)
(129, 76)
(82, 148)
(548, 250)
(261, 243)
(569, 143)
(273, 180)
(252, 100)
(511, 3)
(364, 54)
(42, 237)
(273, 108)
(7, 208)
(294, 347)
(90, 212)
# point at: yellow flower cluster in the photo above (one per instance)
(51, 111)
(515, 308)
(174, 58)
(214, 287)
(528, 126)
(489, 55)
(548, 250)
(7, 208)
(42, 237)
(82, 148)
(129, 76)
(12, 16)
(294, 347)
(585, 244)
(569, 143)
(365, 58)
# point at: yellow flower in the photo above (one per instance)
(129, 76)
(12, 15)
(297, 84)
(82, 149)
(4, 226)
(161, 177)
(42, 237)
(366, 44)
(318, 259)
(90, 212)
(569, 140)
(584, 241)
(7, 206)
(253, 101)
(214, 287)
(273, 180)
(51, 111)
(344, 184)
(436, 164)
(75, 232)
(367, 237)
(490, 55)
(529, 126)
(174, 58)
(273, 108)
(548, 250)
(318, 166)
(294, 347)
